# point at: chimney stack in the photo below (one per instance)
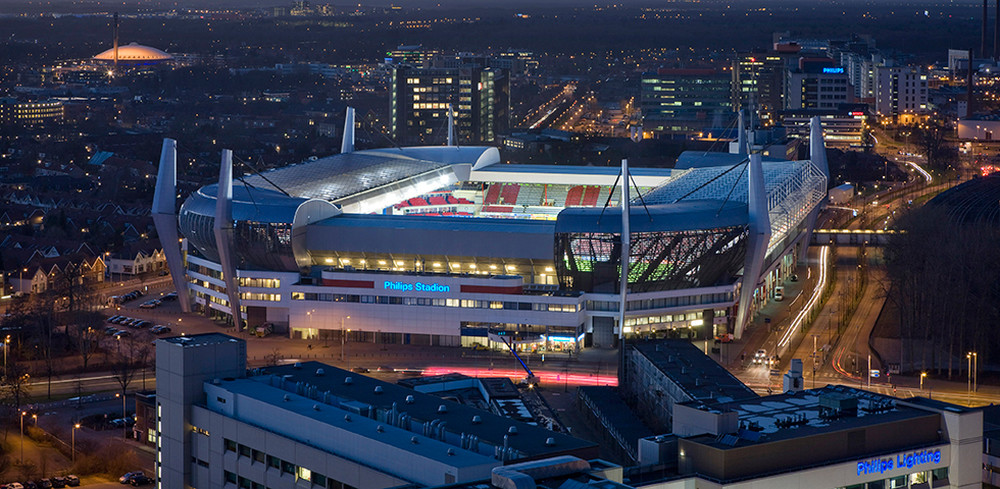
(968, 84)
(116, 41)
(985, 15)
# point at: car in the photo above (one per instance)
(30, 485)
(44, 484)
(15, 485)
(760, 357)
(480, 347)
(142, 324)
(150, 304)
(113, 318)
(141, 480)
(122, 333)
(127, 478)
(118, 319)
(360, 370)
(58, 482)
(170, 297)
(384, 368)
(72, 480)
(779, 293)
(110, 330)
(159, 329)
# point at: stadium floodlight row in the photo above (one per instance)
(444, 245)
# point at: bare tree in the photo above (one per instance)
(124, 367)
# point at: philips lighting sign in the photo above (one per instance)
(418, 286)
(829, 70)
(902, 460)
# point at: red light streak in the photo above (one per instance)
(543, 376)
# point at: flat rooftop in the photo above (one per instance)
(696, 373)
(399, 438)
(201, 339)
(763, 420)
(530, 441)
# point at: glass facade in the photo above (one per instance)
(590, 262)
(257, 245)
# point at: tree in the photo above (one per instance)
(124, 368)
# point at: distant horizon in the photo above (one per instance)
(96, 6)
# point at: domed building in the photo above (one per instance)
(134, 55)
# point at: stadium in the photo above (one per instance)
(448, 246)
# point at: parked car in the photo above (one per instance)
(113, 318)
(170, 297)
(72, 480)
(110, 330)
(122, 333)
(141, 480)
(150, 304)
(58, 482)
(127, 478)
(15, 485)
(120, 319)
(159, 329)
(30, 485)
(44, 484)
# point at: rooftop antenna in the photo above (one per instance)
(115, 41)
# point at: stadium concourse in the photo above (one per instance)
(448, 246)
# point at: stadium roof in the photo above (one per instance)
(569, 175)
(682, 216)
(794, 189)
(343, 175)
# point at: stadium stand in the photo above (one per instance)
(508, 195)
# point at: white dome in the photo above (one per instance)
(134, 53)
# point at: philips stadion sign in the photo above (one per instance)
(417, 286)
(902, 460)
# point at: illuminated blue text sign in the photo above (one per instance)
(418, 286)
(907, 460)
(833, 70)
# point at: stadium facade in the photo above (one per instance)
(447, 246)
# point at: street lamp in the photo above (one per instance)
(124, 424)
(922, 376)
(975, 372)
(75, 427)
(6, 346)
(968, 356)
(22, 436)
(34, 418)
(343, 337)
